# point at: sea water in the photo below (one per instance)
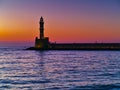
(59, 70)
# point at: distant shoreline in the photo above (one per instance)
(79, 46)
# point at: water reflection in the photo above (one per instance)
(42, 70)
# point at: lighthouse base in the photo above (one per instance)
(42, 43)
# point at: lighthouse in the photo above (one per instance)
(41, 42)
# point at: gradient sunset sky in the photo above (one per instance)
(65, 20)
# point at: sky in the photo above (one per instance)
(78, 21)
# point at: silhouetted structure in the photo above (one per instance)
(42, 43)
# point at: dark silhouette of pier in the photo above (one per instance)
(42, 43)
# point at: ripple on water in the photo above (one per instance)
(59, 70)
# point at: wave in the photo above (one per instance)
(98, 87)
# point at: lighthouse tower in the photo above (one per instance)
(41, 42)
(41, 28)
